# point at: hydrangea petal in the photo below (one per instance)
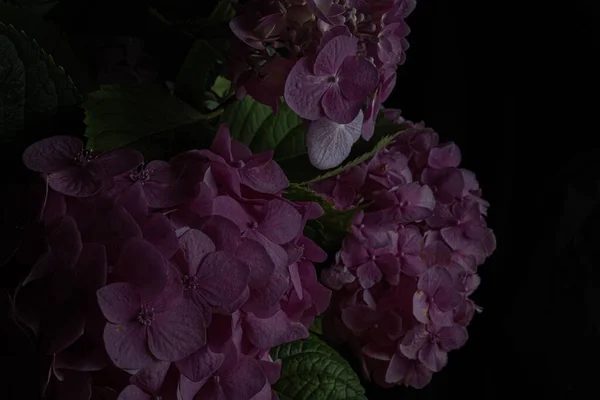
(397, 368)
(116, 162)
(177, 333)
(224, 233)
(231, 209)
(265, 333)
(243, 381)
(304, 91)
(127, 346)
(52, 154)
(74, 181)
(264, 298)
(452, 337)
(368, 274)
(433, 357)
(358, 78)
(329, 143)
(266, 178)
(277, 253)
(200, 365)
(187, 389)
(340, 109)
(151, 377)
(222, 279)
(119, 302)
(413, 341)
(133, 392)
(333, 54)
(282, 222)
(159, 231)
(196, 246)
(142, 265)
(433, 279)
(444, 156)
(254, 255)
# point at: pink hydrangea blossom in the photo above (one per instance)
(329, 59)
(403, 306)
(70, 169)
(171, 278)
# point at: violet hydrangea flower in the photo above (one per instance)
(436, 297)
(404, 315)
(199, 268)
(212, 278)
(143, 324)
(257, 172)
(334, 85)
(74, 171)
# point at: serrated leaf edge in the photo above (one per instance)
(358, 160)
(47, 58)
(331, 355)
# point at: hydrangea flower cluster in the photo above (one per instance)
(329, 59)
(403, 276)
(168, 280)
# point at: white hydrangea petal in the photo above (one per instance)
(329, 143)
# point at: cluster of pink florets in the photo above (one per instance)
(168, 280)
(403, 276)
(334, 62)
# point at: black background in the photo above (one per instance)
(514, 85)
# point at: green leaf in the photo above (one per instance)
(223, 12)
(196, 74)
(119, 116)
(313, 370)
(245, 118)
(12, 89)
(256, 125)
(47, 89)
(30, 18)
(332, 227)
(221, 86)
